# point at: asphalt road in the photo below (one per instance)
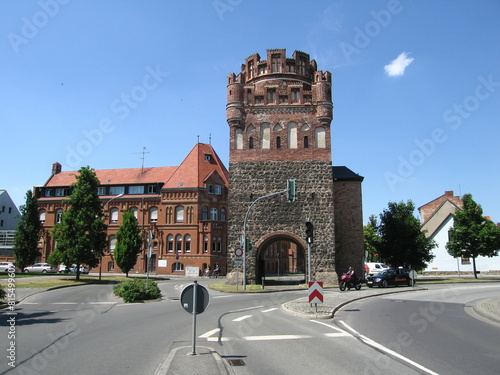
(431, 328)
(85, 330)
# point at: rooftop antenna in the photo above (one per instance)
(198, 139)
(143, 152)
(210, 138)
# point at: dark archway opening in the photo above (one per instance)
(280, 261)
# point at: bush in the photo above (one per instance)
(2, 292)
(135, 290)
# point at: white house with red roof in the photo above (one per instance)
(437, 220)
(184, 207)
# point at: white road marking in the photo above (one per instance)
(269, 310)
(209, 333)
(382, 348)
(242, 318)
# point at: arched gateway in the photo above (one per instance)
(279, 111)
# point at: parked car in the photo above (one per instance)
(374, 268)
(9, 267)
(40, 268)
(399, 276)
(72, 269)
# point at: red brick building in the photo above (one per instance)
(185, 208)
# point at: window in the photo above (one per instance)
(213, 214)
(283, 99)
(275, 64)
(249, 96)
(238, 135)
(151, 189)
(320, 137)
(134, 211)
(136, 189)
(222, 214)
(187, 243)
(250, 143)
(177, 267)
(101, 191)
(48, 192)
(41, 215)
(208, 157)
(113, 215)
(259, 99)
(210, 189)
(250, 69)
(59, 213)
(111, 266)
(178, 243)
(265, 136)
(204, 213)
(271, 96)
(295, 95)
(205, 244)
(278, 142)
(292, 135)
(60, 192)
(179, 214)
(219, 244)
(112, 244)
(153, 214)
(306, 142)
(217, 189)
(170, 243)
(115, 190)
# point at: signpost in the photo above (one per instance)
(194, 299)
(315, 292)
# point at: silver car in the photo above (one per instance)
(40, 268)
(8, 267)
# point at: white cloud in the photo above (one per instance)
(397, 66)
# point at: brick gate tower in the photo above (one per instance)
(279, 112)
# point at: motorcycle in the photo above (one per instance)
(346, 281)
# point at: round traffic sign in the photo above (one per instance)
(238, 252)
(413, 274)
(202, 298)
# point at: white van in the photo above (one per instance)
(374, 268)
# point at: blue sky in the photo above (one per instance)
(416, 86)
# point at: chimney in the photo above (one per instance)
(56, 168)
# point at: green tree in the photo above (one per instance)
(402, 242)
(371, 239)
(81, 235)
(472, 234)
(128, 243)
(27, 233)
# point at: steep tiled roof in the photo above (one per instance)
(200, 163)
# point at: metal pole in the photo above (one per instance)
(194, 316)
(308, 262)
(245, 235)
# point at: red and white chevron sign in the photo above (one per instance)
(315, 291)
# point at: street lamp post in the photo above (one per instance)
(100, 256)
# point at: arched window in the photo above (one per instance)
(306, 142)
(134, 211)
(177, 267)
(178, 243)
(41, 215)
(265, 136)
(59, 213)
(278, 142)
(170, 243)
(112, 244)
(113, 215)
(292, 135)
(205, 244)
(213, 214)
(153, 214)
(320, 138)
(187, 243)
(179, 214)
(250, 143)
(222, 214)
(238, 136)
(277, 128)
(204, 213)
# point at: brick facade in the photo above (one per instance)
(279, 112)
